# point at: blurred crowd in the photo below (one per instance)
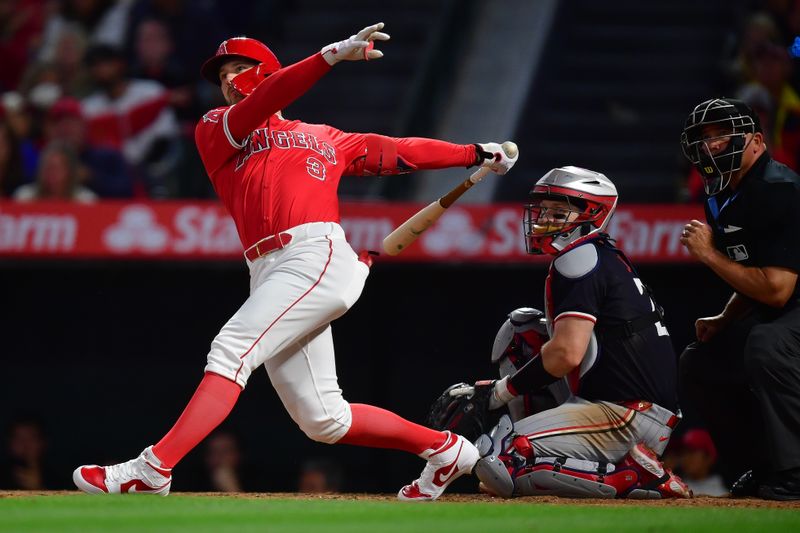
(99, 98)
(759, 68)
(223, 466)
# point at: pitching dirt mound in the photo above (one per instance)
(704, 501)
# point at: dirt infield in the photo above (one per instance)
(705, 501)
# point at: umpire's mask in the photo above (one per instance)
(719, 120)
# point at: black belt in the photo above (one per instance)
(630, 327)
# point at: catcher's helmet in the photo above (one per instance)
(590, 198)
(718, 119)
(239, 47)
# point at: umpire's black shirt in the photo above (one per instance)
(758, 223)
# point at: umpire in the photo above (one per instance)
(743, 373)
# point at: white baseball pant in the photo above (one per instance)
(295, 292)
(595, 431)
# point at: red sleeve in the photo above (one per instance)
(212, 140)
(277, 91)
(432, 153)
(370, 154)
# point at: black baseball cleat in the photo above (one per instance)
(746, 486)
(783, 486)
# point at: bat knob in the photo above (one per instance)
(510, 149)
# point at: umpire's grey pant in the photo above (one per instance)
(745, 383)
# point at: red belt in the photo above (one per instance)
(268, 245)
(643, 406)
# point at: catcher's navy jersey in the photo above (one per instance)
(596, 282)
(758, 224)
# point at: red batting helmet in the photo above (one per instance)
(239, 47)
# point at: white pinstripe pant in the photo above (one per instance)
(594, 431)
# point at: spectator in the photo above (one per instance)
(20, 28)
(773, 68)
(132, 116)
(57, 178)
(25, 466)
(103, 170)
(671, 457)
(759, 29)
(223, 461)
(102, 21)
(319, 476)
(196, 28)
(11, 175)
(63, 68)
(155, 59)
(698, 456)
(17, 115)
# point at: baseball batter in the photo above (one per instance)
(608, 360)
(278, 179)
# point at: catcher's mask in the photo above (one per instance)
(718, 125)
(567, 205)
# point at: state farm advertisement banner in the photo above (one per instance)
(203, 230)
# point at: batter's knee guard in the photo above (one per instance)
(324, 423)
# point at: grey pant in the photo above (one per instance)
(595, 431)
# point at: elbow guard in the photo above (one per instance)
(380, 159)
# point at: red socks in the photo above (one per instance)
(210, 405)
(378, 428)
(215, 397)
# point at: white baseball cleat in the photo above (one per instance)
(453, 459)
(141, 475)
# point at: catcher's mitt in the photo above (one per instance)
(464, 409)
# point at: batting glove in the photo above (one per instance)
(357, 47)
(492, 155)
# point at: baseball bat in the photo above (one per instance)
(407, 232)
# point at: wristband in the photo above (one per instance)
(532, 376)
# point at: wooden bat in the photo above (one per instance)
(411, 229)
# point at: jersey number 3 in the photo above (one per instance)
(315, 168)
(662, 330)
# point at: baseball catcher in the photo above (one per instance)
(590, 384)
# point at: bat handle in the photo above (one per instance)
(479, 174)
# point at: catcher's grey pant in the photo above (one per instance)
(597, 431)
(295, 293)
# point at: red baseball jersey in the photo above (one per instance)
(273, 174)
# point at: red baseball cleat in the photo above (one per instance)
(654, 476)
(141, 475)
(453, 459)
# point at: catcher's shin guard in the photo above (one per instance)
(509, 468)
(495, 472)
(571, 478)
